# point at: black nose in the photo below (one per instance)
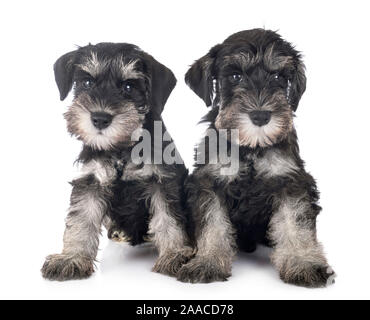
(260, 118)
(101, 120)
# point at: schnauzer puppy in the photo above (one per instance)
(119, 92)
(254, 80)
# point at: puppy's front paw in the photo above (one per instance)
(204, 270)
(63, 267)
(171, 262)
(307, 274)
(117, 235)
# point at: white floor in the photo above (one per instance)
(124, 273)
(37, 153)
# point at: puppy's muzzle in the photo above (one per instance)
(260, 118)
(101, 120)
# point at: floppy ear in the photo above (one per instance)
(162, 83)
(200, 76)
(199, 79)
(63, 71)
(298, 86)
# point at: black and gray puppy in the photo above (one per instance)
(254, 80)
(119, 92)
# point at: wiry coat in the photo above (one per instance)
(250, 196)
(254, 81)
(119, 91)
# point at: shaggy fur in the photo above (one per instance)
(119, 91)
(254, 81)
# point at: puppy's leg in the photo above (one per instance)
(215, 242)
(81, 236)
(168, 234)
(297, 254)
(115, 233)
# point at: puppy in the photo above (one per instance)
(254, 81)
(119, 94)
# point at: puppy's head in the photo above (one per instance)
(116, 88)
(256, 80)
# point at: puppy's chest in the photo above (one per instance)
(253, 168)
(250, 193)
(105, 172)
(135, 172)
(248, 196)
(109, 172)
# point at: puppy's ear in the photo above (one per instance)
(162, 83)
(63, 71)
(298, 85)
(200, 76)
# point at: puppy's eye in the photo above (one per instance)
(87, 83)
(127, 87)
(279, 80)
(236, 77)
(278, 77)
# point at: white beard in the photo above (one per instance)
(252, 136)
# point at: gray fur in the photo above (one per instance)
(119, 93)
(297, 255)
(168, 236)
(215, 246)
(83, 227)
(254, 81)
(126, 120)
(274, 164)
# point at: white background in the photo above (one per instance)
(37, 153)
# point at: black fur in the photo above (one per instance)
(250, 199)
(122, 80)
